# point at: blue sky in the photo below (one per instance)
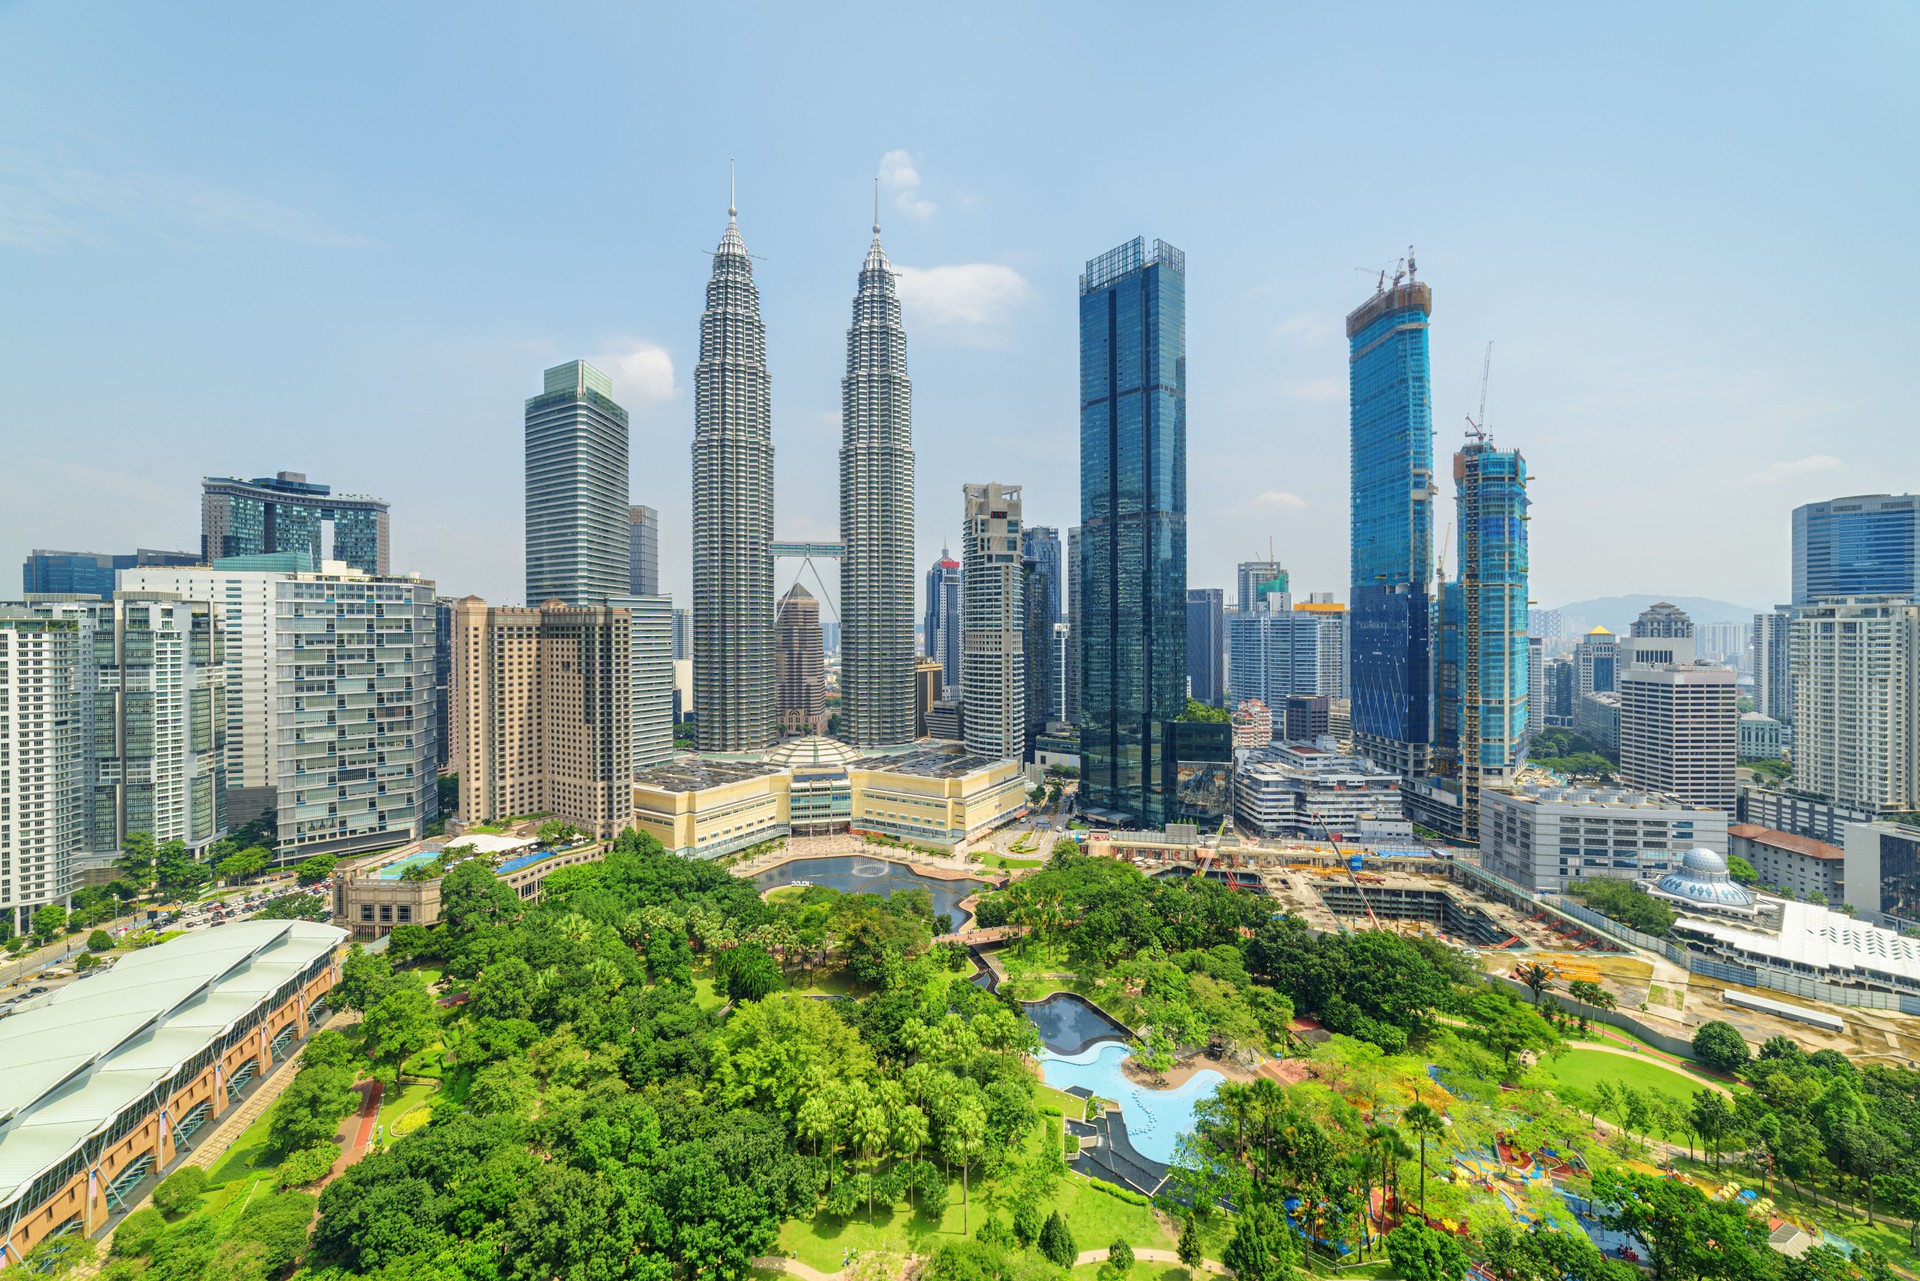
(346, 239)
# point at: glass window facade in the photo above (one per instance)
(1392, 526)
(1865, 546)
(1133, 523)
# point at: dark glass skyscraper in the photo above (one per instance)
(1392, 534)
(1206, 645)
(1133, 525)
(1864, 546)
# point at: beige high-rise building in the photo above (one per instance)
(1680, 732)
(541, 713)
(800, 664)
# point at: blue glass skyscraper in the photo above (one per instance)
(1484, 686)
(1863, 546)
(1392, 531)
(1133, 527)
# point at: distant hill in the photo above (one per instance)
(1615, 613)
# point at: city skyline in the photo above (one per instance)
(352, 219)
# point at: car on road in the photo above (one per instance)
(40, 990)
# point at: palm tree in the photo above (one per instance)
(1425, 1123)
(1537, 977)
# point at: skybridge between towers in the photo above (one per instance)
(810, 552)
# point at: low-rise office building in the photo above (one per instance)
(1597, 717)
(1794, 866)
(1543, 837)
(1306, 792)
(930, 796)
(106, 1084)
(1762, 738)
(378, 894)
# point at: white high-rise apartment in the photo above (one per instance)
(330, 698)
(149, 695)
(1274, 650)
(733, 511)
(1856, 715)
(993, 678)
(245, 601)
(876, 515)
(652, 627)
(1680, 732)
(579, 545)
(42, 759)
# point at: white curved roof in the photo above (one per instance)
(71, 1061)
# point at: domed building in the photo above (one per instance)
(1701, 884)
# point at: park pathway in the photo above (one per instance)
(224, 1136)
(806, 1272)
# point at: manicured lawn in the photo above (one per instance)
(247, 1157)
(825, 983)
(705, 994)
(1004, 862)
(395, 1104)
(1583, 1070)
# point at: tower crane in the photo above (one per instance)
(1478, 429)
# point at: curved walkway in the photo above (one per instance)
(806, 1272)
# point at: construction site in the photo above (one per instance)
(1335, 888)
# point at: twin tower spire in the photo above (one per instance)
(733, 604)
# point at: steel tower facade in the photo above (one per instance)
(876, 515)
(733, 511)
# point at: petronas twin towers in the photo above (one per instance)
(733, 606)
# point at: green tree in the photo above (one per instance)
(1056, 1241)
(315, 869)
(1537, 977)
(1262, 1246)
(310, 1109)
(1686, 1235)
(48, 922)
(1120, 1256)
(1419, 1253)
(135, 862)
(1741, 871)
(137, 1233)
(177, 874)
(245, 863)
(99, 941)
(308, 1165)
(180, 1191)
(1718, 1044)
(750, 973)
(1425, 1124)
(403, 1023)
(1189, 1249)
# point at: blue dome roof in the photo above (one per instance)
(1702, 878)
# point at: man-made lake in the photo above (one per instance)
(857, 874)
(1155, 1118)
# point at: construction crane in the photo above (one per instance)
(1440, 572)
(1478, 429)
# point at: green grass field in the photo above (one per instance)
(1582, 1070)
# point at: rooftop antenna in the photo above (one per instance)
(1478, 430)
(876, 205)
(732, 207)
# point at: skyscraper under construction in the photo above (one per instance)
(733, 511)
(876, 515)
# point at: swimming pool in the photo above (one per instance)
(1155, 1118)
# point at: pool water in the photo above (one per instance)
(856, 874)
(1155, 1118)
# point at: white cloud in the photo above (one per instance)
(972, 301)
(642, 373)
(1304, 330)
(43, 207)
(1279, 500)
(1774, 473)
(899, 174)
(1318, 391)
